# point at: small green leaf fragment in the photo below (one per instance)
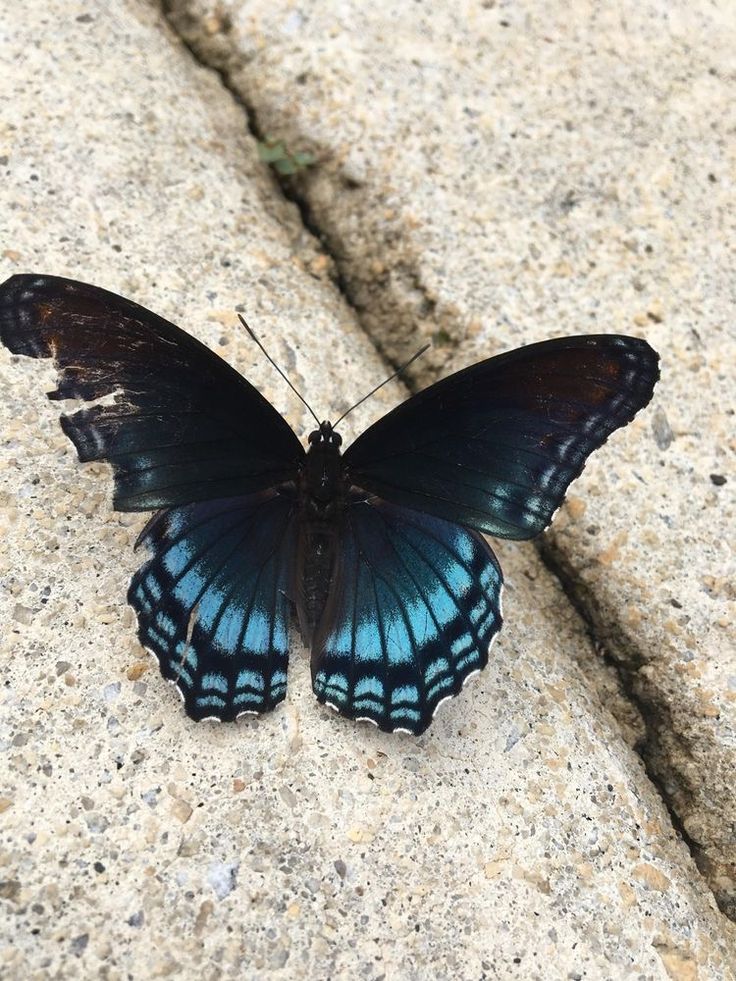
(271, 152)
(278, 156)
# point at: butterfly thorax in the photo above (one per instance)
(323, 495)
(322, 475)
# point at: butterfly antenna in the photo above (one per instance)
(269, 358)
(384, 382)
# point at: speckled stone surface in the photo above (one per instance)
(519, 837)
(490, 174)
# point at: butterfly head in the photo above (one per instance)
(325, 435)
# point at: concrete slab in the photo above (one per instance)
(489, 175)
(519, 837)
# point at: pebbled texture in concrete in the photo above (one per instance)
(492, 174)
(520, 837)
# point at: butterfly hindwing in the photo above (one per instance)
(414, 605)
(495, 446)
(212, 601)
(181, 426)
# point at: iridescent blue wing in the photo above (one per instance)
(212, 601)
(414, 605)
(495, 446)
(181, 425)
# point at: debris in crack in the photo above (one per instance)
(285, 162)
(205, 41)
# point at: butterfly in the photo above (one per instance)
(380, 549)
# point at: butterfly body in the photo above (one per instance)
(323, 497)
(378, 548)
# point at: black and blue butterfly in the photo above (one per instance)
(380, 549)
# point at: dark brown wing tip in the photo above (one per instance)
(23, 316)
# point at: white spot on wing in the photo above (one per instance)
(471, 674)
(554, 514)
(171, 681)
(441, 702)
(180, 693)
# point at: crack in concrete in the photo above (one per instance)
(410, 303)
(653, 715)
(225, 64)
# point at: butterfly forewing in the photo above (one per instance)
(182, 426)
(495, 446)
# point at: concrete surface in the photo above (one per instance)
(520, 837)
(490, 174)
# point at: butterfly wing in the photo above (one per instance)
(181, 426)
(413, 607)
(212, 601)
(495, 446)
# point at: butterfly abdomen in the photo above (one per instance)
(315, 568)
